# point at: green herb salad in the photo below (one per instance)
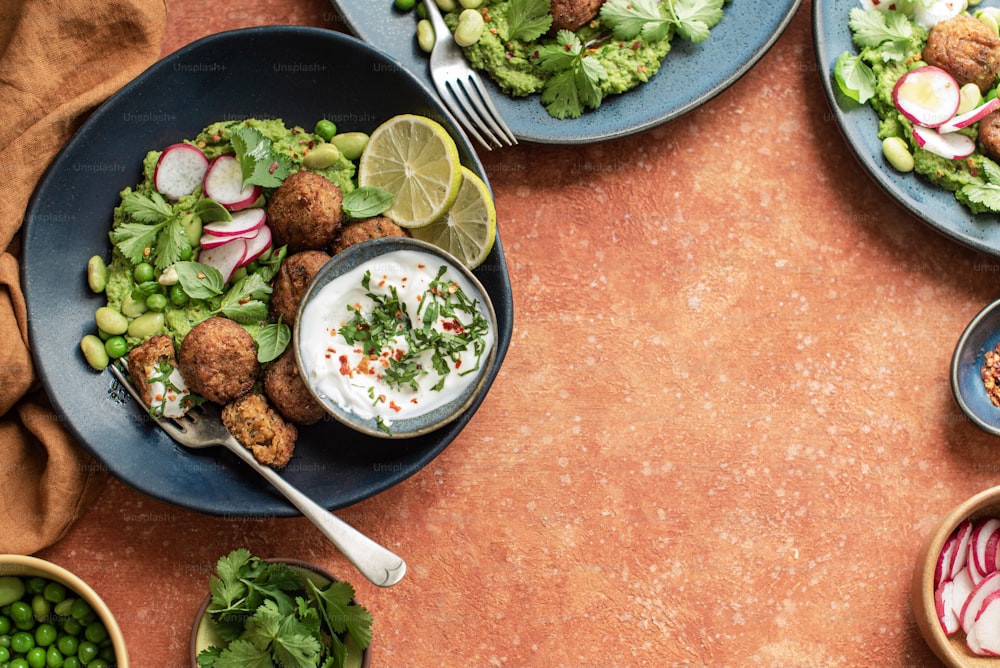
(933, 102)
(618, 48)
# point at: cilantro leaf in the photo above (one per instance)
(341, 614)
(574, 84)
(694, 18)
(627, 18)
(854, 77)
(260, 163)
(527, 20)
(891, 33)
(153, 231)
(149, 209)
(243, 654)
(988, 192)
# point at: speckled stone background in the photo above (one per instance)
(723, 427)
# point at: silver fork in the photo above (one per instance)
(461, 88)
(202, 427)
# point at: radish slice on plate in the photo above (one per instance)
(226, 258)
(970, 117)
(257, 245)
(927, 95)
(224, 184)
(243, 224)
(208, 241)
(949, 145)
(179, 170)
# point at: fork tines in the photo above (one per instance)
(470, 102)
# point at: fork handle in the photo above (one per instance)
(374, 561)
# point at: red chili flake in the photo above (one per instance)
(274, 166)
(345, 368)
(494, 31)
(458, 363)
(453, 326)
(394, 406)
(636, 45)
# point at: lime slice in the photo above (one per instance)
(416, 160)
(469, 229)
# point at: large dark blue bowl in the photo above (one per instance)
(294, 73)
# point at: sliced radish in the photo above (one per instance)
(927, 95)
(963, 537)
(224, 183)
(984, 636)
(942, 570)
(226, 258)
(974, 601)
(970, 117)
(944, 605)
(984, 532)
(208, 241)
(961, 593)
(257, 245)
(179, 170)
(242, 223)
(950, 145)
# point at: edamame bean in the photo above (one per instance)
(192, 228)
(898, 154)
(969, 98)
(990, 21)
(471, 4)
(146, 325)
(351, 144)
(470, 27)
(97, 274)
(325, 129)
(425, 35)
(321, 156)
(96, 356)
(110, 321)
(445, 5)
(132, 307)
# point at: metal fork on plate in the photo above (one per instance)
(202, 427)
(461, 88)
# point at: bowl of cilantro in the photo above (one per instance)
(279, 612)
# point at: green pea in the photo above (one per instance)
(39, 606)
(325, 129)
(63, 607)
(187, 253)
(45, 634)
(21, 612)
(133, 307)
(177, 295)
(146, 325)
(5, 625)
(898, 154)
(21, 642)
(87, 652)
(94, 352)
(67, 645)
(54, 658)
(36, 657)
(5, 640)
(97, 274)
(11, 589)
(321, 157)
(19, 662)
(111, 321)
(72, 627)
(142, 272)
(405, 5)
(55, 592)
(36, 585)
(71, 662)
(98, 663)
(422, 10)
(116, 347)
(156, 302)
(470, 27)
(96, 633)
(425, 35)
(351, 144)
(4, 654)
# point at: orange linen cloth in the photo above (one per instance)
(59, 59)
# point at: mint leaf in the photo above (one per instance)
(367, 201)
(854, 77)
(527, 20)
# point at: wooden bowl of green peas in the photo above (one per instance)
(49, 616)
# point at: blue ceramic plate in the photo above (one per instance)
(859, 125)
(368, 254)
(299, 75)
(691, 74)
(980, 336)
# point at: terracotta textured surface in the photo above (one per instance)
(721, 432)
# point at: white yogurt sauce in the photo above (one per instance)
(360, 380)
(170, 399)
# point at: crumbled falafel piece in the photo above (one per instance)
(288, 393)
(573, 14)
(144, 359)
(218, 360)
(967, 49)
(989, 135)
(377, 227)
(291, 281)
(260, 429)
(305, 212)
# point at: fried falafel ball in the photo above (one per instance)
(218, 360)
(287, 392)
(144, 359)
(291, 281)
(966, 48)
(378, 227)
(989, 135)
(305, 212)
(573, 14)
(260, 429)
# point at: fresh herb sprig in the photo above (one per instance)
(888, 36)
(260, 163)
(268, 615)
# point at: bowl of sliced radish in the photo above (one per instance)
(956, 583)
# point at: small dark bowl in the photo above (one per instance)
(368, 253)
(980, 336)
(203, 635)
